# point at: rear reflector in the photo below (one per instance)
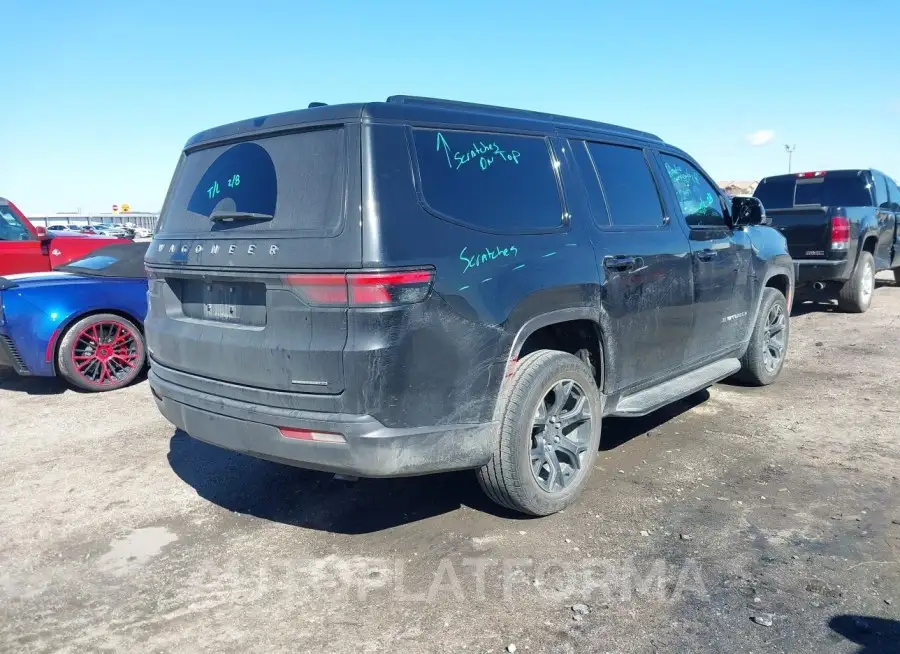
(307, 435)
(840, 232)
(368, 289)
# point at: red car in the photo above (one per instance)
(26, 248)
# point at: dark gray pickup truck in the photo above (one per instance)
(841, 227)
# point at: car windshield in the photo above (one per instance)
(11, 226)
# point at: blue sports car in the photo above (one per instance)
(82, 321)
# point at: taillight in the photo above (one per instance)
(818, 173)
(366, 289)
(324, 290)
(840, 232)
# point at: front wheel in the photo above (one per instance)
(549, 435)
(102, 352)
(856, 294)
(764, 358)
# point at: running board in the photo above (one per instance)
(651, 399)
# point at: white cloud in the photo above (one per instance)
(760, 137)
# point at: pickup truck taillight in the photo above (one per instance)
(840, 232)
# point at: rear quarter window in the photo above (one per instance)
(492, 182)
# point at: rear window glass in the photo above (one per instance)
(298, 179)
(498, 182)
(119, 260)
(833, 191)
(94, 263)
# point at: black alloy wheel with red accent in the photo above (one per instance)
(101, 352)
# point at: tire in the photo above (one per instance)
(760, 366)
(855, 295)
(510, 477)
(102, 352)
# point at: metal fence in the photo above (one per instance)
(146, 220)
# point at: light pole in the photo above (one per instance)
(790, 151)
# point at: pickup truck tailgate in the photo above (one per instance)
(807, 230)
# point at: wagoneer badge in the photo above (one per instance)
(232, 248)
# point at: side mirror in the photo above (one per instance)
(41, 231)
(748, 211)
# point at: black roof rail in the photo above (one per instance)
(508, 111)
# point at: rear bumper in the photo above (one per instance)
(814, 270)
(371, 449)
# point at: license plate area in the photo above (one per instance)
(239, 303)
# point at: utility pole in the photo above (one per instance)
(790, 151)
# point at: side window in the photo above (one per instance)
(500, 182)
(881, 192)
(11, 228)
(628, 185)
(698, 199)
(894, 193)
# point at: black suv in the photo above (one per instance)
(842, 227)
(419, 285)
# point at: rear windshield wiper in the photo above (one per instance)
(239, 215)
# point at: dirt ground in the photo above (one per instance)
(738, 520)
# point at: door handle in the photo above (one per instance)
(707, 255)
(620, 263)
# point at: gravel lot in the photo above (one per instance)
(737, 520)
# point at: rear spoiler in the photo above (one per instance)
(6, 284)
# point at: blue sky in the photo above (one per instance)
(99, 97)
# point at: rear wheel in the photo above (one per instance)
(102, 352)
(764, 358)
(855, 295)
(549, 435)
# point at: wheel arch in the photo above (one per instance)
(782, 282)
(781, 277)
(60, 332)
(551, 330)
(870, 242)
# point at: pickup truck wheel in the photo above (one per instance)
(549, 435)
(764, 358)
(856, 294)
(102, 352)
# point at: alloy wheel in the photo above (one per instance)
(774, 337)
(560, 434)
(106, 353)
